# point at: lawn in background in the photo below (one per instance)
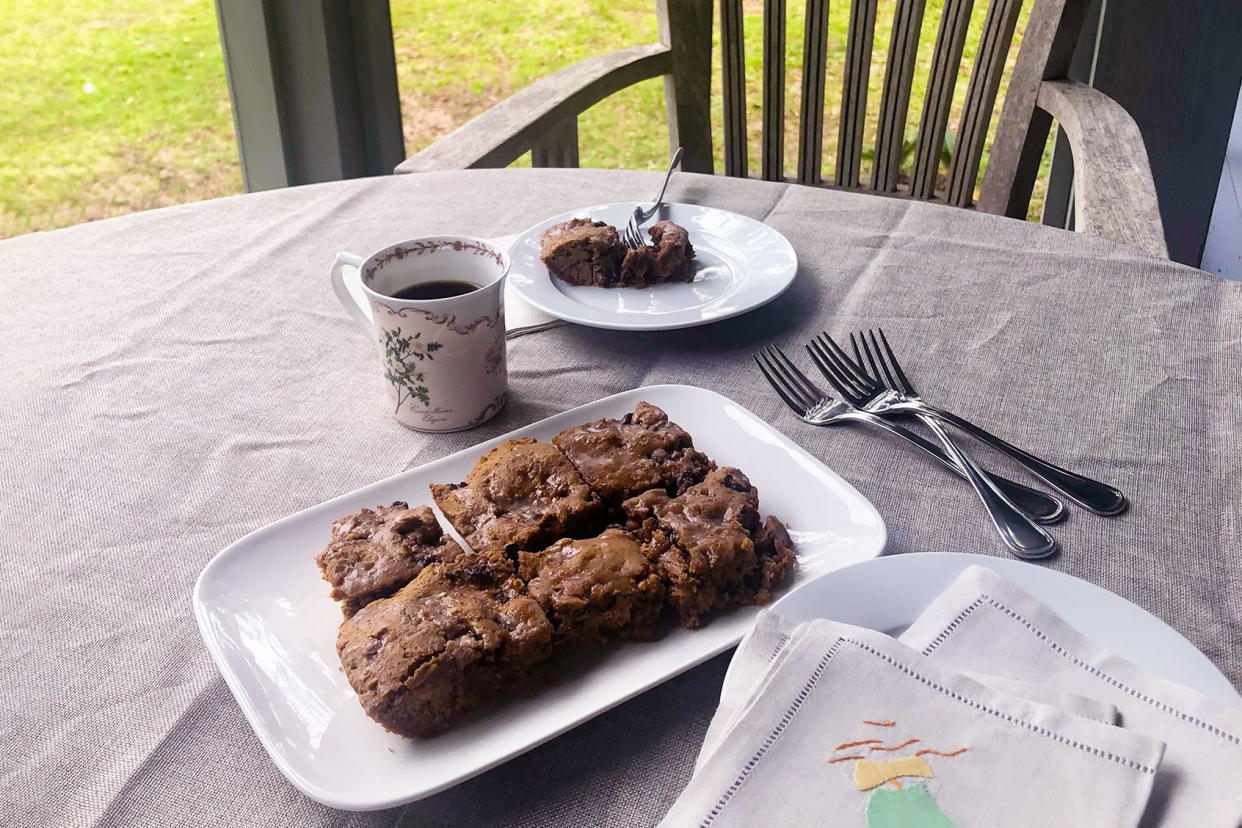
(113, 106)
(110, 106)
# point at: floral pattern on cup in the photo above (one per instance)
(494, 362)
(420, 248)
(447, 319)
(492, 409)
(402, 355)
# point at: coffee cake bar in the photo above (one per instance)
(375, 552)
(521, 495)
(595, 589)
(457, 636)
(711, 547)
(643, 450)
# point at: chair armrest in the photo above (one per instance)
(1114, 194)
(501, 134)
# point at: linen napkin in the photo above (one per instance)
(982, 622)
(754, 655)
(769, 638)
(519, 313)
(522, 314)
(852, 728)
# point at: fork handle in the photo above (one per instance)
(671, 165)
(1035, 504)
(1092, 495)
(1024, 538)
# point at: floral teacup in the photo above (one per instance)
(444, 359)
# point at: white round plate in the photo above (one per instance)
(742, 264)
(889, 593)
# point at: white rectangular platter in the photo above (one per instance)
(268, 622)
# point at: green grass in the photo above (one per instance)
(112, 106)
(455, 58)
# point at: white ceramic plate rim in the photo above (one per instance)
(1132, 632)
(526, 276)
(223, 653)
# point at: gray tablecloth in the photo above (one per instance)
(173, 380)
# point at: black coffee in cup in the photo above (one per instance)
(440, 289)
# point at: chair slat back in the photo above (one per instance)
(814, 71)
(733, 76)
(1048, 17)
(985, 78)
(947, 59)
(854, 93)
(890, 138)
(772, 158)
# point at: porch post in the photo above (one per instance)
(314, 89)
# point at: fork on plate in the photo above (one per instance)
(632, 234)
(889, 392)
(813, 406)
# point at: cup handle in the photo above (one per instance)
(361, 314)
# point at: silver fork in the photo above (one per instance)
(813, 406)
(900, 397)
(631, 235)
(1017, 531)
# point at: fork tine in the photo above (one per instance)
(797, 374)
(628, 235)
(799, 397)
(892, 358)
(845, 366)
(791, 375)
(822, 359)
(875, 370)
(857, 353)
(772, 381)
(777, 383)
(831, 365)
(847, 363)
(824, 362)
(872, 354)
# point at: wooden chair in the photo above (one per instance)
(1114, 195)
